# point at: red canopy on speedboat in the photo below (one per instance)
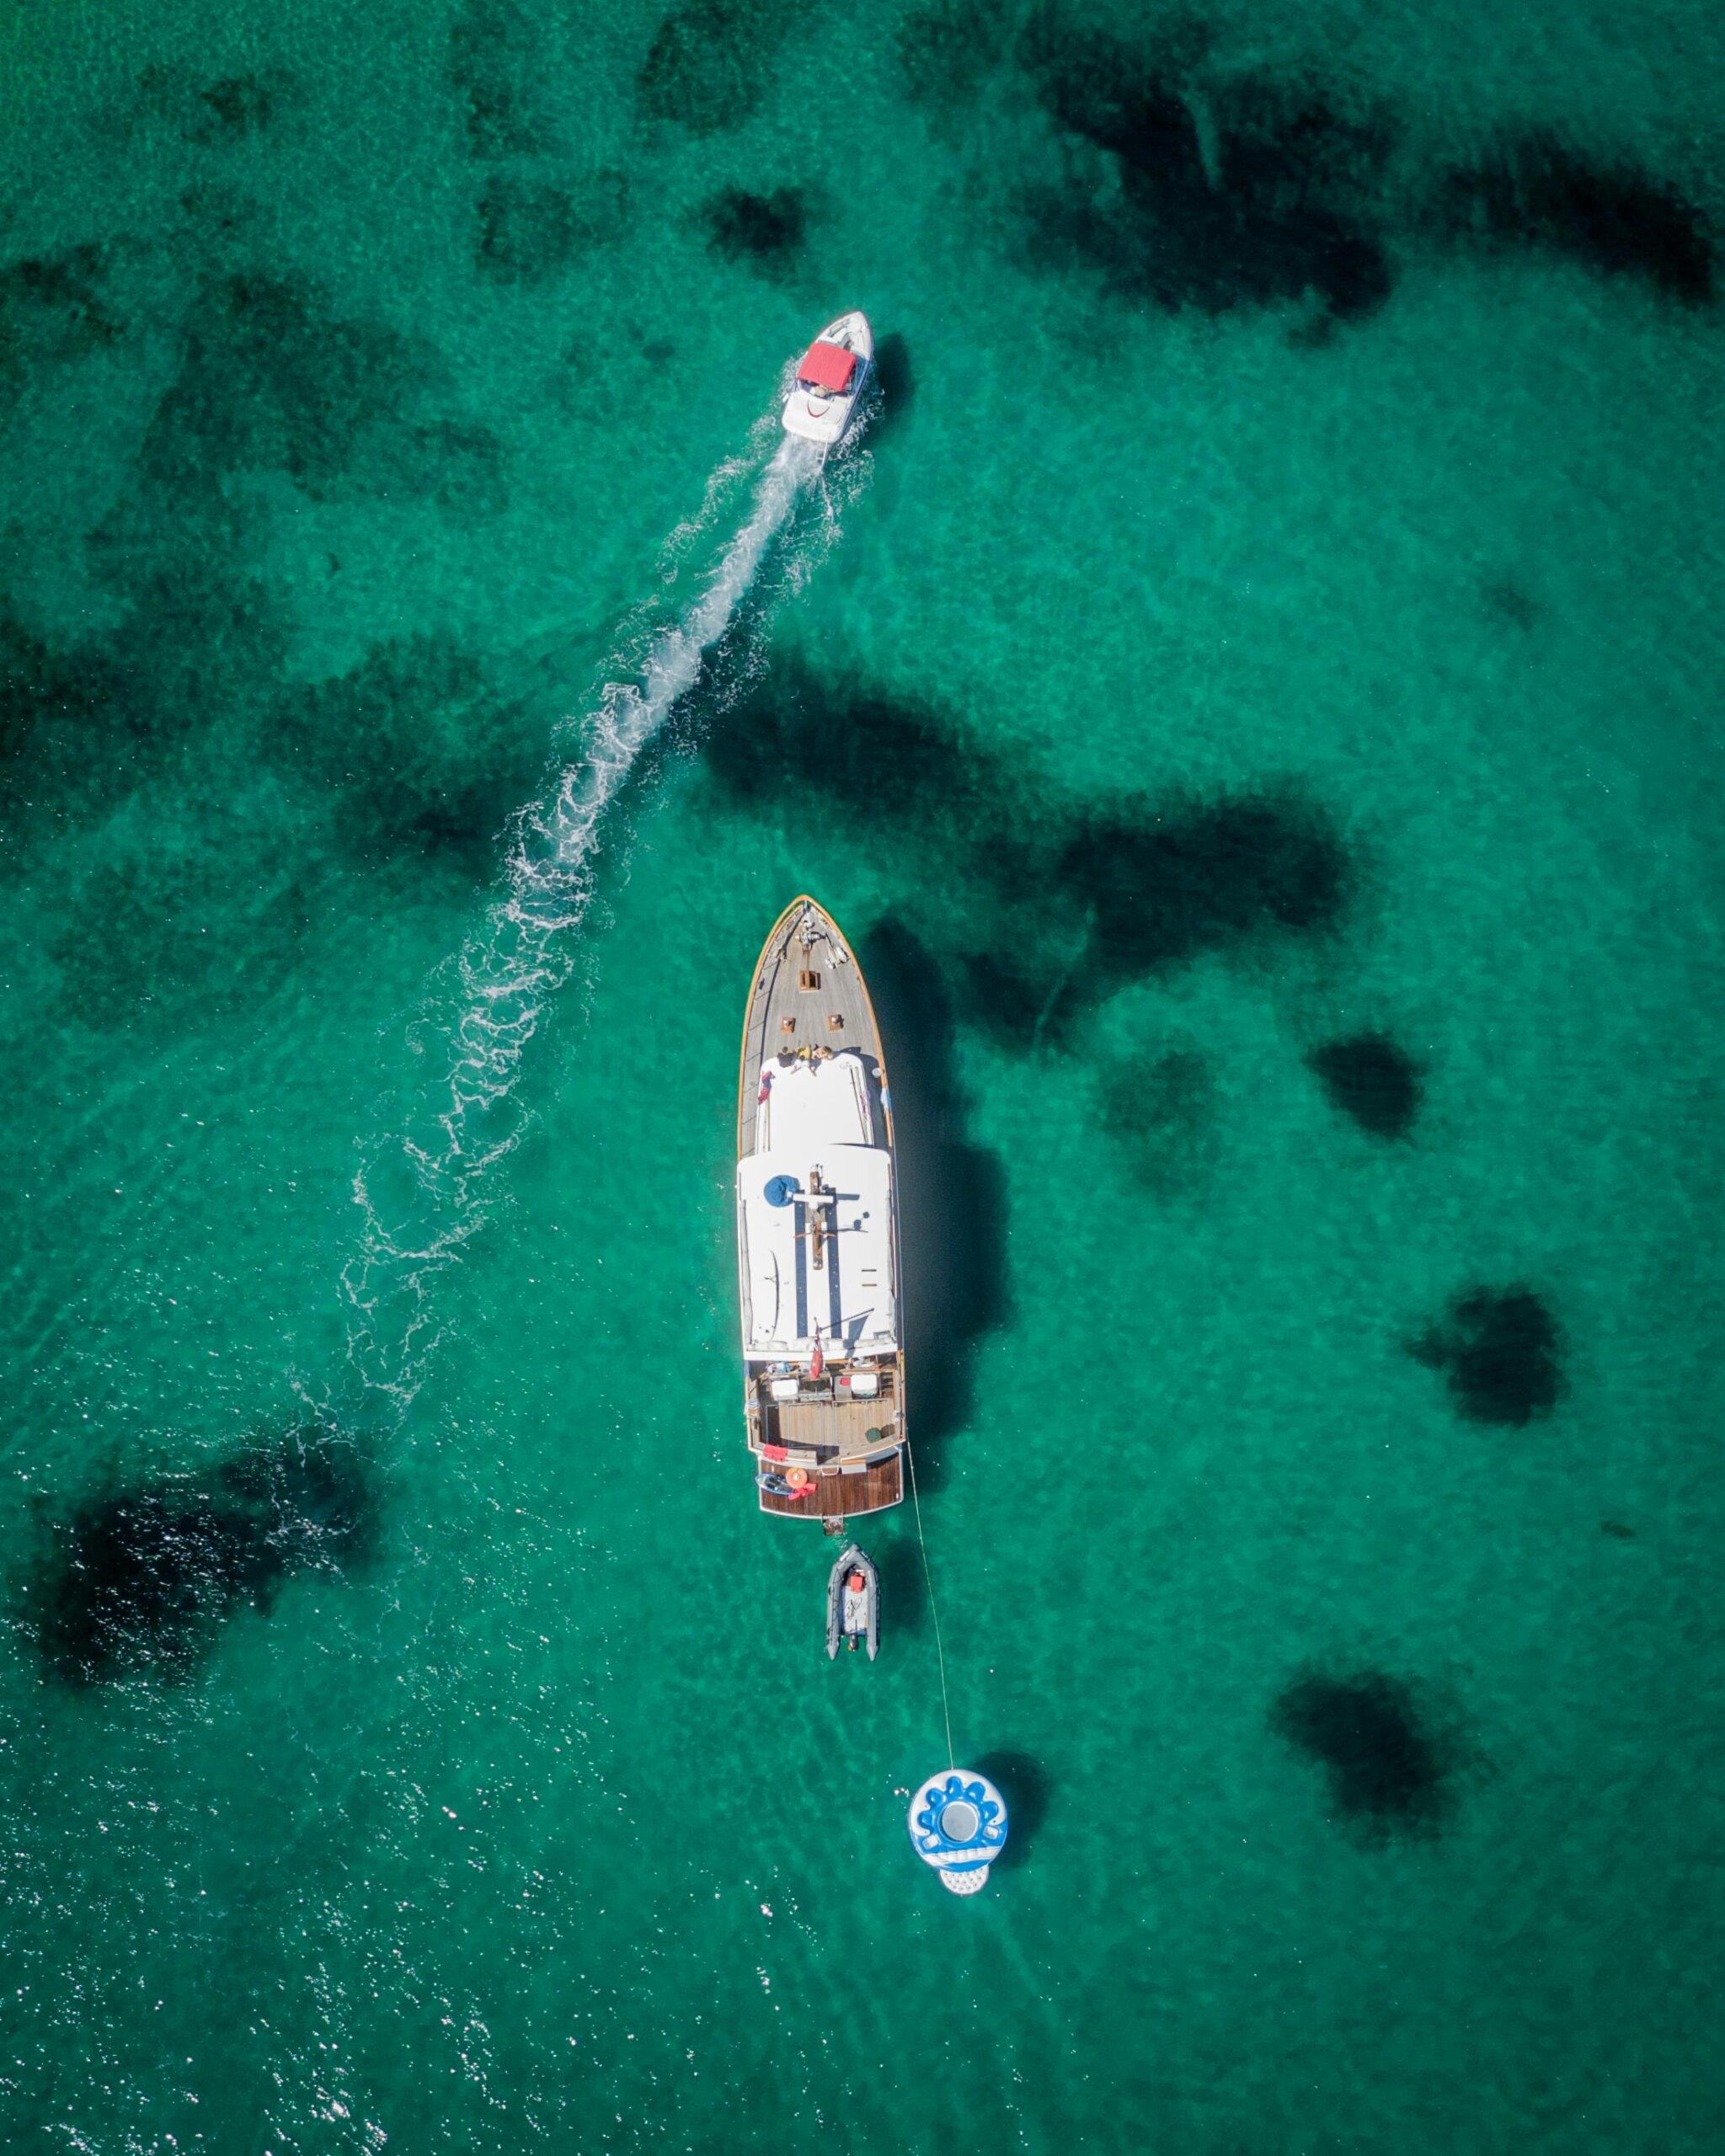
(827, 366)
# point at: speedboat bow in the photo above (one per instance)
(830, 378)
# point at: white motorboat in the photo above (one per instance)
(831, 376)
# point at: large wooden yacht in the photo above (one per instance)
(818, 1233)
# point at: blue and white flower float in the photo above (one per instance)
(958, 1825)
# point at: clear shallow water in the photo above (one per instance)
(1187, 675)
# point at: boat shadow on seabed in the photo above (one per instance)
(1024, 1784)
(952, 1198)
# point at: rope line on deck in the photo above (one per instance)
(933, 1608)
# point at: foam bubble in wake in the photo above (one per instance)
(421, 1193)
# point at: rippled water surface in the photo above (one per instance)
(1251, 696)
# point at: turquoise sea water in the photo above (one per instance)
(1252, 695)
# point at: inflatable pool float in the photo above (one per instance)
(958, 1825)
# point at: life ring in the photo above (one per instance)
(779, 1484)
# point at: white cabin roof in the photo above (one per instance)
(853, 1296)
(804, 1104)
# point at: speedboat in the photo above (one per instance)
(830, 378)
(853, 1603)
(818, 1233)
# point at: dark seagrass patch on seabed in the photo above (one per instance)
(49, 693)
(461, 466)
(213, 113)
(502, 66)
(766, 231)
(271, 376)
(1161, 1110)
(1208, 189)
(706, 68)
(88, 722)
(1500, 1351)
(1530, 189)
(218, 222)
(1162, 881)
(795, 722)
(946, 51)
(1197, 179)
(1506, 599)
(530, 230)
(139, 1582)
(420, 747)
(1080, 899)
(1372, 1079)
(159, 929)
(1389, 1758)
(53, 310)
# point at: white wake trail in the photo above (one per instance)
(421, 1193)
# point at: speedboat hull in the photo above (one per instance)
(832, 377)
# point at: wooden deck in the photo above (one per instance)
(840, 1496)
(823, 1424)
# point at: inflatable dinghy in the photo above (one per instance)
(853, 1603)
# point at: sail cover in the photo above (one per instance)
(827, 366)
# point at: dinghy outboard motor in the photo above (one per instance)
(959, 1824)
